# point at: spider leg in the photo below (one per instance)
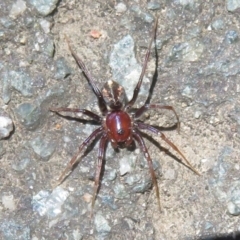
(73, 161)
(137, 88)
(152, 129)
(89, 78)
(144, 149)
(146, 107)
(76, 110)
(101, 152)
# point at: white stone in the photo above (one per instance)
(17, 8)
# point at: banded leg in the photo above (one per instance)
(172, 145)
(89, 78)
(144, 149)
(137, 88)
(76, 110)
(146, 107)
(73, 161)
(101, 152)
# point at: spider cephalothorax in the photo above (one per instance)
(117, 125)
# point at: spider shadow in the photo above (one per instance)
(174, 127)
(76, 119)
(155, 75)
(165, 150)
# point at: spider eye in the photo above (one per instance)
(114, 94)
(121, 131)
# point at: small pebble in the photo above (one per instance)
(44, 147)
(101, 224)
(233, 5)
(49, 204)
(154, 5)
(45, 25)
(17, 8)
(44, 7)
(8, 202)
(120, 7)
(6, 126)
(231, 36)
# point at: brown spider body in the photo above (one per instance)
(116, 124)
(119, 127)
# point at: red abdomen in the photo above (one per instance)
(118, 125)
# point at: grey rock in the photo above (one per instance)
(233, 208)
(109, 201)
(43, 147)
(226, 68)
(48, 47)
(101, 224)
(132, 179)
(56, 92)
(17, 8)
(22, 82)
(45, 25)
(125, 69)
(49, 204)
(2, 34)
(127, 163)
(121, 7)
(21, 165)
(193, 33)
(223, 166)
(233, 205)
(44, 7)
(7, 22)
(6, 88)
(29, 115)
(13, 230)
(28, 21)
(62, 69)
(189, 4)
(187, 51)
(6, 126)
(2, 149)
(120, 191)
(220, 172)
(170, 13)
(142, 14)
(235, 115)
(231, 36)
(144, 163)
(109, 175)
(153, 5)
(197, 114)
(208, 225)
(144, 185)
(233, 5)
(218, 24)
(189, 92)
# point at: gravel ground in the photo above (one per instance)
(198, 58)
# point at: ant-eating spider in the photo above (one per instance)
(118, 126)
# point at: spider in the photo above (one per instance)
(117, 124)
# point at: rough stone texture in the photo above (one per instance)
(197, 73)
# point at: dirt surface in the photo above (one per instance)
(197, 73)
